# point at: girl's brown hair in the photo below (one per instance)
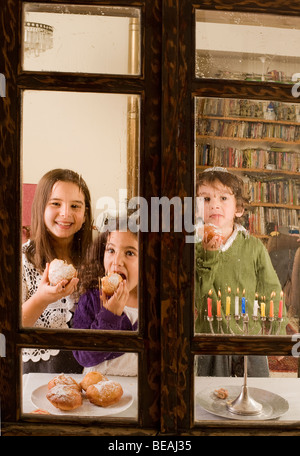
(40, 249)
(229, 180)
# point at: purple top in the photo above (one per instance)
(89, 315)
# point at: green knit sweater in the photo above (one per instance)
(245, 265)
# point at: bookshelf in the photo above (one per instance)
(260, 140)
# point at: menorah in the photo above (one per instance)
(244, 404)
(264, 323)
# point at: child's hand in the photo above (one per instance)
(46, 294)
(118, 300)
(49, 293)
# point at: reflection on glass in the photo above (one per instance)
(237, 288)
(251, 148)
(246, 46)
(231, 366)
(109, 285)
(88, 398)
(260, 139)
(277, 391)
(96, 137)
(94, 134)
(81, 39)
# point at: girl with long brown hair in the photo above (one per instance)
(61, 227)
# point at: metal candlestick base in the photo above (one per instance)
(244, 404)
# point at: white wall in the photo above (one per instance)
(248, 39)
(82, 43)
(86, 132)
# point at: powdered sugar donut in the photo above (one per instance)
(60, 270)
(91, 378)
(110, 283)
(64, 397)
(104, 393)
(63, 379)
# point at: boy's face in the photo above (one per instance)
(219, 205)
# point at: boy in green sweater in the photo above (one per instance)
(232, 265)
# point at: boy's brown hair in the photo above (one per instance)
(229, 180)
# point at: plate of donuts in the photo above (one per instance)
(95, 395)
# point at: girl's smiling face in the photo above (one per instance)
(121, 256)
(65, 210)
(220, 207)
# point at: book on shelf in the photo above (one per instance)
(280, 191)
(262, 221)
(253, 158)
(240, 129)
(255, 109)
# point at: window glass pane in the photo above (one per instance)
(81, 39)
(120, 385)
(221, 388)
(95, 137)
(247, 277)
(247, 46)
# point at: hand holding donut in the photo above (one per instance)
(52, 293)
(212, 237)
(117, 301)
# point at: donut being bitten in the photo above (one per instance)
(63, 379)
(110, 283)
(105, 393)
(64, 397)
(91, 378)
(210, 231)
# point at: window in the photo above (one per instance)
(159, 93)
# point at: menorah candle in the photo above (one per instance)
(228, 302)
(255, 306)
(271, 310)
(280, 305)
(237, 303)
(263, 309)
(209, 304)
(219, 304)
(243, 303)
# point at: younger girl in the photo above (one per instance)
(61, 227)
(113, 251)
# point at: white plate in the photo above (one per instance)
(273, 406)
(38, 398)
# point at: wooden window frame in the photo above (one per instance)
(165, 342)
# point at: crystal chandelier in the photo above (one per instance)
(38, 38)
